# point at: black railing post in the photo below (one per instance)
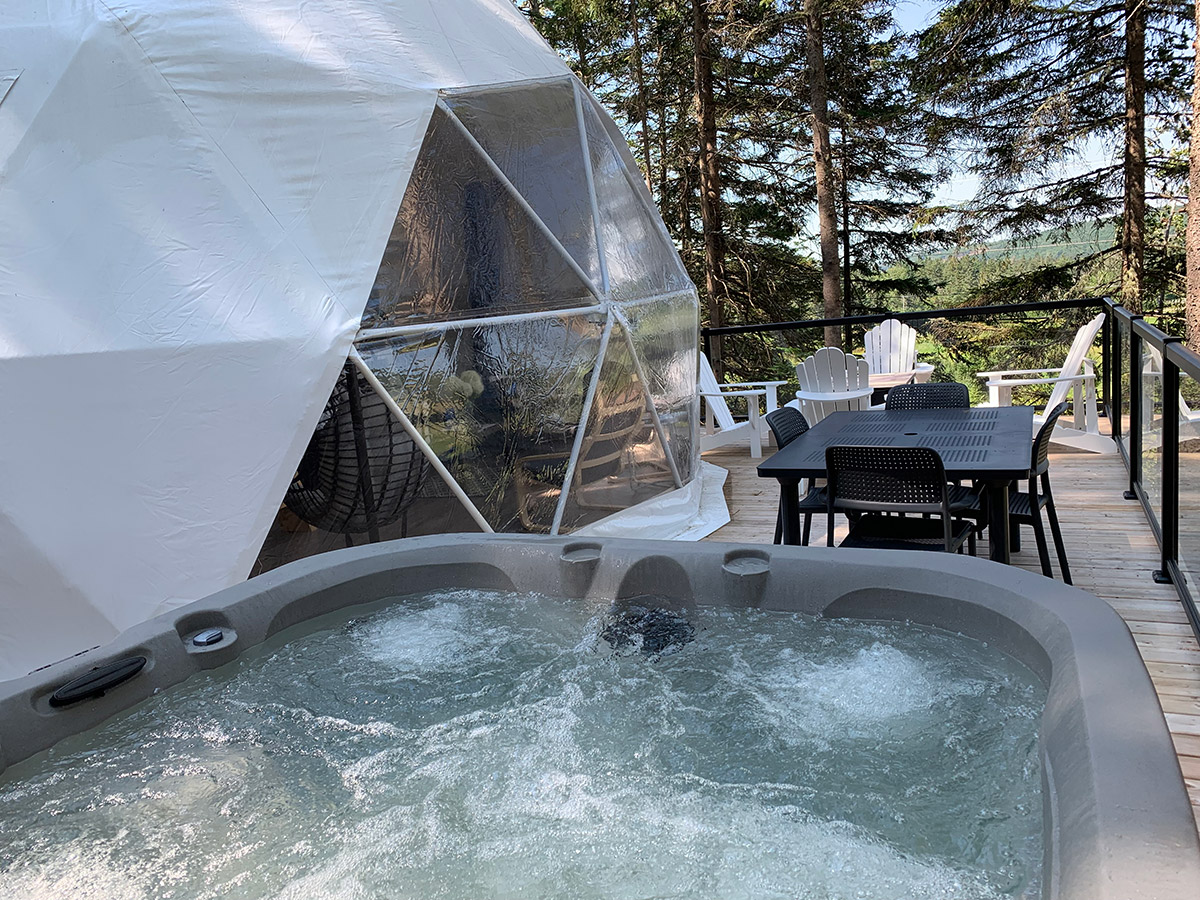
(1135, 414)
(706, 343)
(1181, 361)
(1170, 468)
(1112, 366)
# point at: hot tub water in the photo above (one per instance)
(480, 744)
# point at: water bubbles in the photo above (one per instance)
(419, 641)
(475, 744)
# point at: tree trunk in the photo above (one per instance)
(585, 69)
(663, 154)
(826, 216)
(710, 177)
(847, 286)
(1133, 243)
(685, 209)
(639, 75)
(1192, 234)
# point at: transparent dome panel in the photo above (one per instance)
(621, 460)
(488, 397)
(663, 330)
(532, 133)
(642, 261)
(621, 145)
(463, 244)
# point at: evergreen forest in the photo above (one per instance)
(802, 153)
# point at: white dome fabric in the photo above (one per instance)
(195, 196)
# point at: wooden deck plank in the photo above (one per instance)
(1112, 553)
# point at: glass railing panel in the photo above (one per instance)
(1189, 479)
(1150, 386)
(1125, 338)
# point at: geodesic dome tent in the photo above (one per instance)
(206, 205)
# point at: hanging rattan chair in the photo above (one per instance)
(361, 469)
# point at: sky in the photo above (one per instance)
(913, 15)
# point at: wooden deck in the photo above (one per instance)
(1112, 554)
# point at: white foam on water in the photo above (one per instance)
(847, 696)
(669, 846)
(80, 873)
(326, 724)
(423, 640)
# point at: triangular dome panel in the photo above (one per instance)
(532, 132)
(621, 461)
(464, 246)
(499, 403)
(642, 261)
(662, 330)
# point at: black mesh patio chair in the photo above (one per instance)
(876, 481)
(787, 424)
(1025, 508)
(934, 395)
(938, 395)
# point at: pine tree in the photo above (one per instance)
(1029, 88)
(886, 170)
(745, 241)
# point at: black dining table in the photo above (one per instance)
(988, 445)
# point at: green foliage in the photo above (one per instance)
(1031, 93)
(884, 172)
(1025, 96)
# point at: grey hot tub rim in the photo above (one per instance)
(1118, 822)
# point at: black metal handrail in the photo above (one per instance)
(953, 312)
(1184, 359)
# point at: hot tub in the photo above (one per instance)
(1117, 821)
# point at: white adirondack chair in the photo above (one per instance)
(1076, 378)
(1189, 419)
(891, 347)
(718, 427)
(830, 381)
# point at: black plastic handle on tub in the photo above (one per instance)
(97, 681)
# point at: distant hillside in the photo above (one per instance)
(1079, 241)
